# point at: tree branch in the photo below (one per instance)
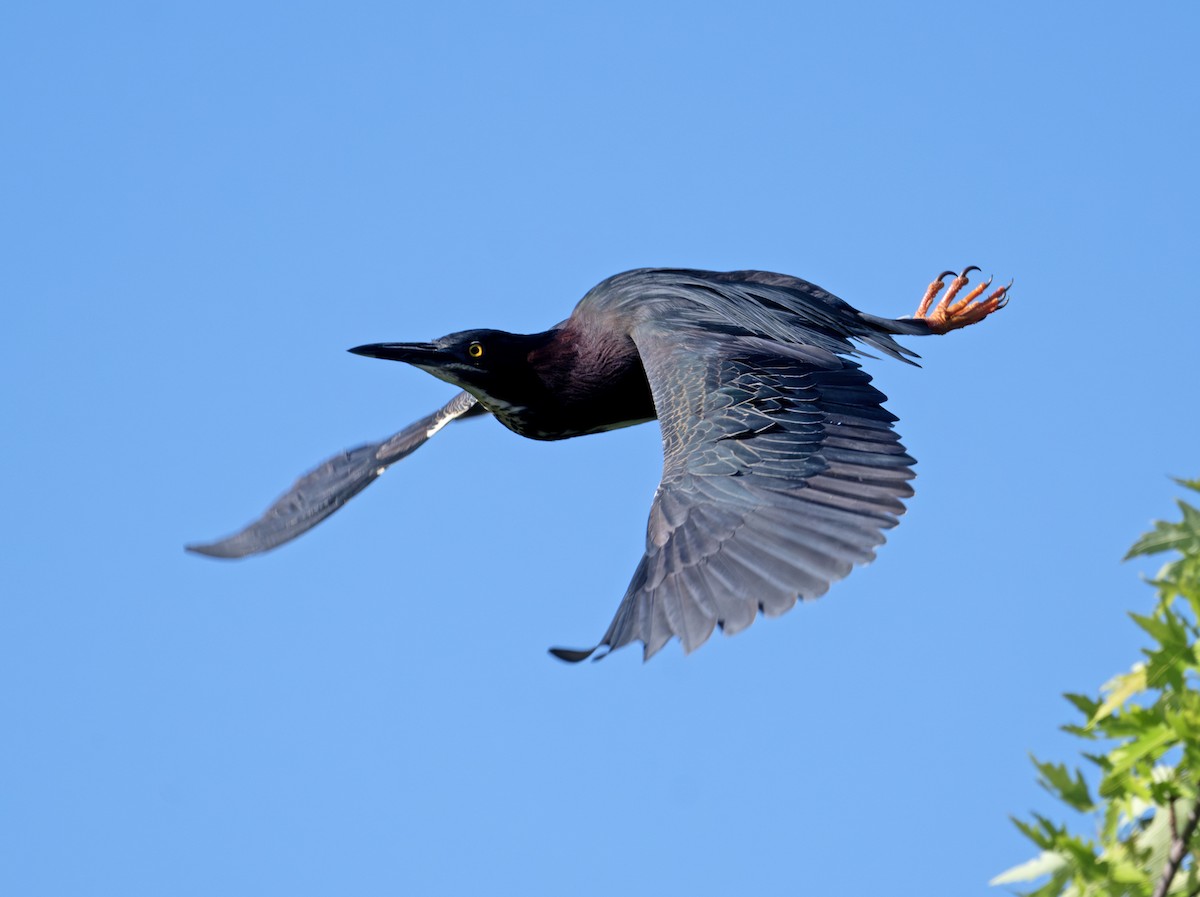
(1179, 848)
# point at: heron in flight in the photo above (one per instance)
(781, 468)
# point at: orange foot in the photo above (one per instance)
(949, 315)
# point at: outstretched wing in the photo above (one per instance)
(781, 471)
(331, 484)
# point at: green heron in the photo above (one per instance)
(781, 469)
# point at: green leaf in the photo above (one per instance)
(1183, 536)
(1044, 834)
(1120, 689)
(1158, 836)
(1083, 703)
(1046, 863)
(1164, 537)
(1191, 519)
(1160, 630)
(1183, 715)
(1111, 820)
(1167, 664)
(1056, 779)
(1146, 748)
(1127, 872)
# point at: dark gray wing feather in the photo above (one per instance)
(778, 307)
(781, 471)
(334, 482)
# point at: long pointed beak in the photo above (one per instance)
(411, 353)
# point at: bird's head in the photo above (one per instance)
(490, 364)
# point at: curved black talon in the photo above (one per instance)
(967, 270)
(944, 275)
(1004, 301)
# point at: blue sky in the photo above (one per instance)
(206, 204)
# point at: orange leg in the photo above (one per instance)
(950, 315)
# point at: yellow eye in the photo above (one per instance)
(475, 350)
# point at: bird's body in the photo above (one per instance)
(781, 468)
